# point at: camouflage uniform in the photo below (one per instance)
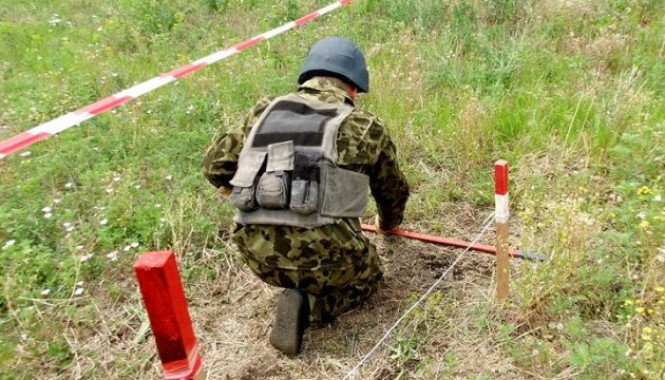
(335, 265)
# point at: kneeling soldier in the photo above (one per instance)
(299, 171)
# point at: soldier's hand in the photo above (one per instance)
(223, 192)
(377, 224)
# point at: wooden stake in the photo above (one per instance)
(164, 299)
(501, 202)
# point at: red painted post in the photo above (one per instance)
(501, 217)
(164, 299)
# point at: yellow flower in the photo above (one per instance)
(647, 330)
(580, 188)
(650, 311)
(645, 225)
(644, 190)
(639, 310)
(628, 302)
(646, 337)
(660, 289)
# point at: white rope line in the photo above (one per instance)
(486, 223)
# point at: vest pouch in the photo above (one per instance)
(304, 196)
(305, 183)
(345, 195)
(272, 191)
(243, 198)
(243, 195)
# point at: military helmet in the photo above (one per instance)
(336, 57)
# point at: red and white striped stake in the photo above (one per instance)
(502, 214)
(164, 299)
(75, 118)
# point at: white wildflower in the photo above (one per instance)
(45, 292)
(69, 185)
(48, 215)
(78, 291)
(25, 154)
(109, 191)
(57, 201)
(9, 243)
(46, 210)
(127, 248)
(135, 245)
(103, 222)
(168, 177)
(113, 256)
(85, 258)
(658, 198)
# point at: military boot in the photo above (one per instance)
(290, 323)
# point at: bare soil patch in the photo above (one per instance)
(234, 323)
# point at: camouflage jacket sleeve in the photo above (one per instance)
(387, 182)
(221, 160)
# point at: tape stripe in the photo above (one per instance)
(147, 86)
(280, 30)
(306, 19)
(20, 141)
(72, 119)
(502, 207)
(218, 56)
(60, 124)
(185, 70)
(251, 42)
(104, 105)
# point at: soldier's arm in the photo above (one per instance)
(388, 184)
(221, 160)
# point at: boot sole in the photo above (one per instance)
(288, 328)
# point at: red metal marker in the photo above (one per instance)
(164, 299)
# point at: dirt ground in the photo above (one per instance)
(234, 323)
(451, 336)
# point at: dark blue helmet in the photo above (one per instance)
(336, 57)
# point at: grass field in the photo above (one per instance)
(572, 93)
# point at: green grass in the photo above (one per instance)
(571, 94)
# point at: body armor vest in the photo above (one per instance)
(287, 171)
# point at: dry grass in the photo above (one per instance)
(232, 317)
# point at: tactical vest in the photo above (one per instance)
(287, 171)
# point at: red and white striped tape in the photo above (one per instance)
(501, 201)
(75, 118)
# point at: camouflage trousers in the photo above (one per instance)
(335, 265)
